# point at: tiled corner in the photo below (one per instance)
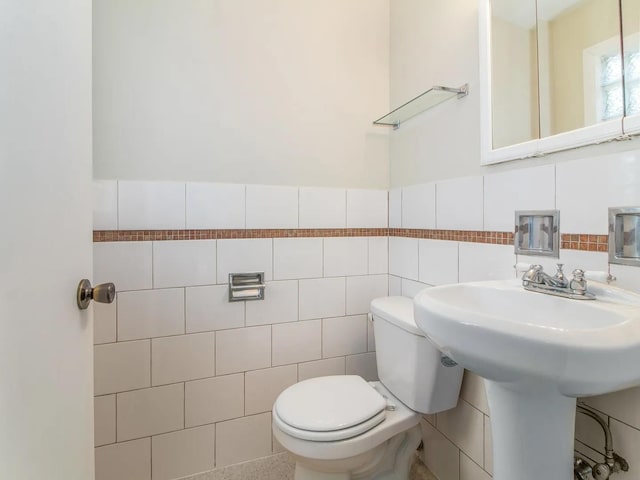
(464, 425)
(410, 288)
(403, 257)
(440, 455)
(151, 205)
(323, 207)
(215, 206)
(361, 290)
(363, 364)
(469, 470)
(378, 255)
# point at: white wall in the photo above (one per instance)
(241, 91)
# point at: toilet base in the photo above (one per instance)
(389, 461)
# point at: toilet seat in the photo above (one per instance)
(329, 408)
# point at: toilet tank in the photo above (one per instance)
(409, 365)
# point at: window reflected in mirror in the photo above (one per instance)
(631, 38)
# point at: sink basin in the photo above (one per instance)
(537, 353)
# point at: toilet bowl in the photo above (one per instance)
(343, 427)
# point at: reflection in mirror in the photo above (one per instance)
(579, 63)
(514, 72)
(631, 37)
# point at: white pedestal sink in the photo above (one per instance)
(537, 353)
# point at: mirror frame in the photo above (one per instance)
(589, 135)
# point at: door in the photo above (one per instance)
(46, 409)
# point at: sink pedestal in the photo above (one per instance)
(532, 427)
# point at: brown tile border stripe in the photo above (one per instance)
(570, 241)
(589, 243)
(147, 235)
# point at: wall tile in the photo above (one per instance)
(214, 399)
(395, 286)
(344, 336)
(438, 264)
(150, 411)
(215, 205)
(485, 262)
(280, 305)
(323, 207)
(473, 391)
(346, 256)
(121, 366)
(253, 433)
(182, 357)
(419, 206)
(371, 342)
(364, 365)
(361, 290)
(622, 405)
(488, 446)
(182, 453)
(124, 461)
(321, 368)
(395, 208)
(464, 426)
(469, 470)
(598, 183)
(573, 259)
(104, 415)
(323, 297)
(440, 455)
(105, 205)
(403, 257)
(126, 264)
(459, 204)
(104, 322)
(366, 208)
(208, 308)
(521, 189)
(243, 349)
(627, 277)
(150, 313)
(272, 206)
(589, 432)
(627, 445)
(297, 258)
(262, 387)
(182, 263)
(151, 205)
(244, 255)
(297, 342)
(411, 288)
(378, 255)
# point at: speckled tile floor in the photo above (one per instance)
(280, 467)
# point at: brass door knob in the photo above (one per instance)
(103, 293)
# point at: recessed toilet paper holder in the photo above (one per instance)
(246, 286)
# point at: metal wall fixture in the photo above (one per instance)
(624, 235)
(537, 232)
(246, 286)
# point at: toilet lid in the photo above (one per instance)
(329, 404)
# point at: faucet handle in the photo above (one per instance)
(559, 273)
(578, 284)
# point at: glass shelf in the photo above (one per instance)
(422, 102)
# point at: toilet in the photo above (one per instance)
(342, 427)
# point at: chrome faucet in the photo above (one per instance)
(537, 280)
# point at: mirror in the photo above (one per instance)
(631, 46)
(554, 70)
